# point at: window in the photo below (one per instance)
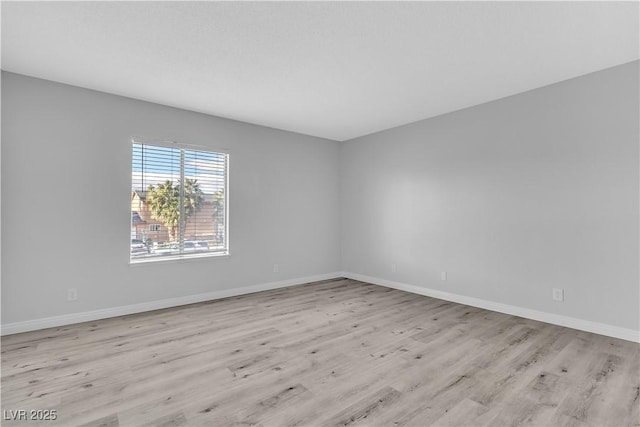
(178, 202)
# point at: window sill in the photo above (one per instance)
(178, 258)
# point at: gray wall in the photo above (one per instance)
(66, 190)
(512, 198)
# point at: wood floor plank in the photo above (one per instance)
(336, 352)
(462, 414)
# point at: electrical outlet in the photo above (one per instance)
(72, 294)
(558, 294)
(443, 275)
(393, 268)
(276, 268)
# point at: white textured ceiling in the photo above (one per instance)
(335, 70)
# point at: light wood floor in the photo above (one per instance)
(331, 353)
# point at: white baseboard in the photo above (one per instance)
(87, 316)
(556, 319)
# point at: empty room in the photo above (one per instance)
(320, 213)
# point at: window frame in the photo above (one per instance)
(184, 256)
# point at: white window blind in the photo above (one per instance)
(178, 202)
